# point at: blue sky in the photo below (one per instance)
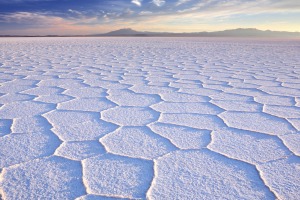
(99, 16)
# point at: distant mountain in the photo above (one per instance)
(252, 32)
(128, 32)
(123, 32)
(247, 32)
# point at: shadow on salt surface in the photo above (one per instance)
(246, 106)
(31, 124)
(135, 116)
(280, 91)
(86, 92)
(183, 97)
(181, 136)
(97, 197)
(200, 91)
(198, 121)
(248, 146)
(87, 104)
(282, 111)
(24, 109)
(258, 122)
(150, 89)
(54, 98)
(11, 87)
(202, 174)
(160, 84)
(184, 85)
(107, 84)
(292, 141)
(187, 107)
(275, 100)
(79, 150)
(5, 126)
(134, 80)
(283, 173)
(252, 92)
(45, 90)
(230, 97)
(78, 125)
(15, 97)
(29, 140)
(137, 142)
(47, 178)
(118, 176)
(130, 98)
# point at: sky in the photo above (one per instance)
(40, 17)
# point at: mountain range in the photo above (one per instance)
(128, 32)
(247, 32)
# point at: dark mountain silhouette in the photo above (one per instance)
(240, 32)
(123, 32)
(128, 32)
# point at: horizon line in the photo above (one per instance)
(145, 32)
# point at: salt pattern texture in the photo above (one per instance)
(149, 118)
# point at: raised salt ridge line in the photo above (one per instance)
(202, 175)
(149, 118)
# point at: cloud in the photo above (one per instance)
(145, 13)
(137, 2)
(75, 12)
(159, 3)
(21, 1)
(179, 2)
(42, 24)
(32, 19)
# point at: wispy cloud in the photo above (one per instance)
(75, 12)
(145, 13)
(148, 13)
(158, 3)
(179, 2)
(137, 2)
(32, 19)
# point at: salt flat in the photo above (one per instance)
(149, 118)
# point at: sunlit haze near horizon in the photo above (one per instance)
(99, 16)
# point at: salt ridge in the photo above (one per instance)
(149, 118)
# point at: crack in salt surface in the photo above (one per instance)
(138, 107)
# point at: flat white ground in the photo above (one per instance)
(155, 118)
